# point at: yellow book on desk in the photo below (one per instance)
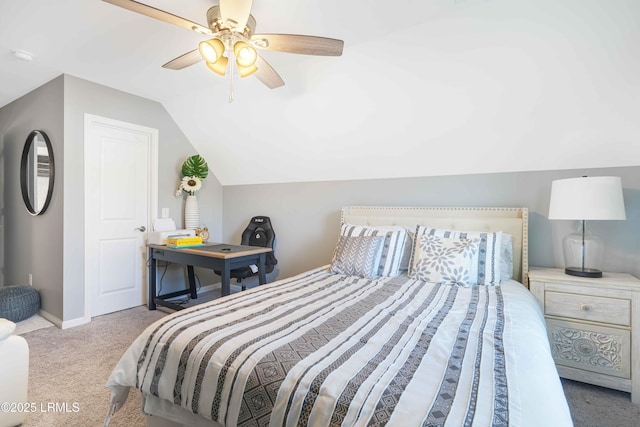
(183, 242)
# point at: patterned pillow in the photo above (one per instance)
(395, 239)
(357, 256)
(408, 252)
(442, 259)
(485, 269)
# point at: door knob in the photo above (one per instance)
(141, 228)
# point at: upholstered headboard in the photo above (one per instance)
(514, 221)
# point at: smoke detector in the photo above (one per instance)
(23, 54)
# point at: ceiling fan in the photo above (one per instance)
(232, 33)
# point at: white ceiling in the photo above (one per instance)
(423, 87)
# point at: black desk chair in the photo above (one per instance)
(260, 233)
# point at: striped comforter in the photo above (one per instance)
(328, 350)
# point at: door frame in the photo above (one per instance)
(152, 190)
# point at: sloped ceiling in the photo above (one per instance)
(423, 88)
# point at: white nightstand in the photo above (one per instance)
(593, 326)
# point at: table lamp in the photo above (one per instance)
(585, 199)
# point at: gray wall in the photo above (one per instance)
(33, 244)
(51, 246)
(82, 96)
(306, 216)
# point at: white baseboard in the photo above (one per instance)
(216, 287)
(63, 324)
(51, 318)
(209, 288)
(75, 322)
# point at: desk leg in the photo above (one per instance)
(192, 281)
(151, 303)
(226, 279)
(262, 277)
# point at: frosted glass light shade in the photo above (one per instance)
(212, 51)
(247, 71)
(246, 55)
(220, 66)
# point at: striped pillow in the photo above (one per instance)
(357, 256)
(395, 238)
(506, 257)
(485, 269)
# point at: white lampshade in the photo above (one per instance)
(587, 198)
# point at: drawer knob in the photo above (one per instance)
(585, 307)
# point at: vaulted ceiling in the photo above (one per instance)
(423, 88)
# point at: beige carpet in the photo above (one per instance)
(593, 406)
(70, 367)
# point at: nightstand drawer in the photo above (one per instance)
(591, 348)
(615, 311)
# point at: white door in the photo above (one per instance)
(120, 200)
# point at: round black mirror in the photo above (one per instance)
(37, 172)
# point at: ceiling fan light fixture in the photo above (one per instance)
(246, 55)
(211, 50)
(229, 22)
(220, 66)
(247, 71)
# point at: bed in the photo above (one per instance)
(417, 321)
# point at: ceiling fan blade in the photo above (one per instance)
(236, 12)
(267, 75)
(161, 15)
(296, 43)
(184, 61)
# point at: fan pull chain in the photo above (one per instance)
(231, 72)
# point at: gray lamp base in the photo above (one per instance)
(583, 272)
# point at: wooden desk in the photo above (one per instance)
(218, 256)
